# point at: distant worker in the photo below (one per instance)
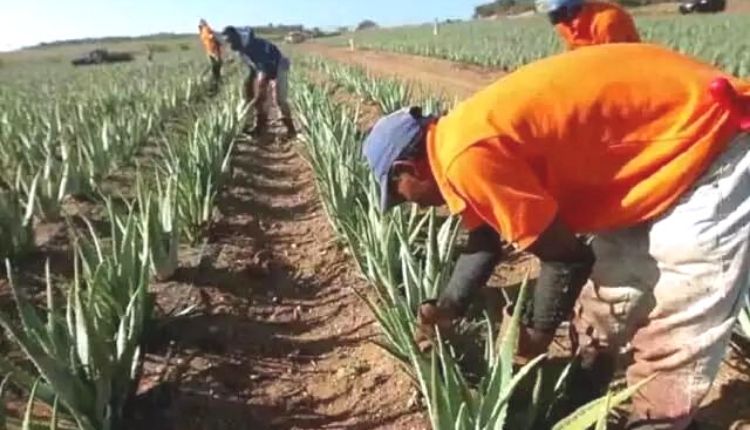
(584, 23)
(655, 165)
(268, 66)
(213, 49)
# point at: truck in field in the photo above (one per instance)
(102, 56)
(702, 6)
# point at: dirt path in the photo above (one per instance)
(276, 340)
(451, 79)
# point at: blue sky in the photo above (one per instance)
(27, 22)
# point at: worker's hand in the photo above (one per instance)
(430, 316)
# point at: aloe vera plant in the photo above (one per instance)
(28, 422)
(744, 319)
(159, 222)
(200, 163)
(50, 186)
(87, 352)
(17, 219)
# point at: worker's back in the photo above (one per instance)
(613, 145)
(210, 43)
(598, 23)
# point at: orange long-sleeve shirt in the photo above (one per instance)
(210, 44)
(608, 151)
(598, 23)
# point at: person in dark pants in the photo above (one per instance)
(268, 68)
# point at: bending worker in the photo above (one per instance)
(655, 166)
(268, 67)
(584, 23)
(213, 50)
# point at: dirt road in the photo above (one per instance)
(450, 79)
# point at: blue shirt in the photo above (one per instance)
(260, 54)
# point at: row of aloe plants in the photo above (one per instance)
(84, 345)
(512, 43)
(70, 147)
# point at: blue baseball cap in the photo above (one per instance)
(553, 5)
(387, 142)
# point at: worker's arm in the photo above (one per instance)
(473, 269)
(498, 185)
(566, 264)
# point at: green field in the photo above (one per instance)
(133, 166)
(721, 39)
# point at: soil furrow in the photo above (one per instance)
(274, 337)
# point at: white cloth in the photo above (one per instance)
(672, 288)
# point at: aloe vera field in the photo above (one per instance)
(163, 268)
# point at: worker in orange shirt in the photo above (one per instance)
(654, 165)
(585, 23)
(213, 49)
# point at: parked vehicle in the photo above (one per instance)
(703, 6)
(101, 56)
(295, 37)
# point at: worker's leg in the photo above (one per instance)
(672, 289)
(215, 68)
(248, 86)
(701, 246)
(261, 114)
(215, 65)
(610, 307)
(281, 95)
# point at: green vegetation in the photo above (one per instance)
(115, 137)
(508, 44)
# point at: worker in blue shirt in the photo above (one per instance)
(268, 67)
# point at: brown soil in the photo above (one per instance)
(728, 404)
(738, 6)
(444, 77)
(276, 339)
